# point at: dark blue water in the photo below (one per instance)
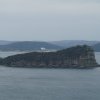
(49, 84)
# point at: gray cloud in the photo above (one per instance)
(49, 19)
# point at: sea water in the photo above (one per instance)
(49, 84)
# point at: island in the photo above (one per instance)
(73, 57)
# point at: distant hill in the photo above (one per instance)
(36, 45)
(28, 46)
(71, 43)
(96, 47)
(3, 42)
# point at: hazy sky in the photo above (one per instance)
(49, 20)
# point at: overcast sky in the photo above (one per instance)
(49, 20)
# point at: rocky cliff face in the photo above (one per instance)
(75, 57)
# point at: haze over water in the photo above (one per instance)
(49, 84)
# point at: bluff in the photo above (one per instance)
(74, 57)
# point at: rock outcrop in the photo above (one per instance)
(74, 57)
